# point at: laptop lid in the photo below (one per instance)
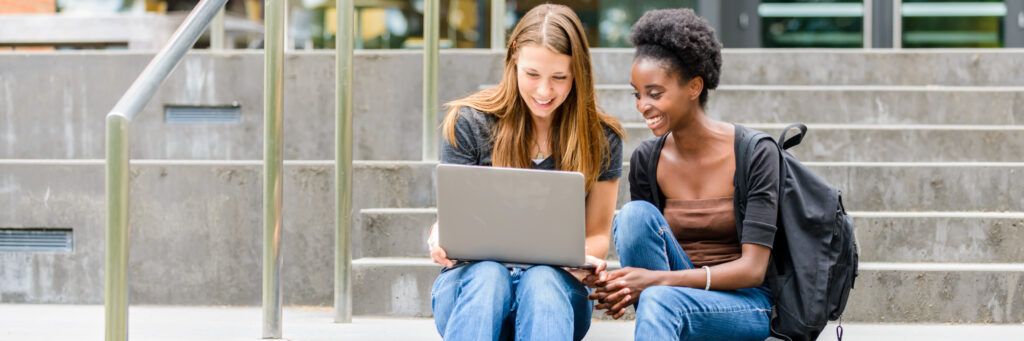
(511, 215)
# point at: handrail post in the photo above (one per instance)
(344, 38)
(431, 26)
(498, 24)
(867, 23)
(116, 169)
(115, 294)
(897, 24)
(217, 31)
(273, 163)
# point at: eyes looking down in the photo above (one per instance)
(661, 98)
(544, 78)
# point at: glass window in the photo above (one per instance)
(395, 24)
(944, 23)
(812, 23)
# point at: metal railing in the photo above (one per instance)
(431, 38)
(117, 169)
(498, 24)
(344, 43)
(273, 163)
(115, 293)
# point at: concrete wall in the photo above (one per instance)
(52, 104)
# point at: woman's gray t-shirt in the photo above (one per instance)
(473, 130)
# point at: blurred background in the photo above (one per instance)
(398, 24)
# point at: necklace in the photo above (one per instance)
(540, 155)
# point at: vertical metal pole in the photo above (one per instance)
(897, 24)
(1013, 23)
(867, 16)
(432, 23)
(217, 31)
(498, 24)
(273, 106)
(343, 162)
(881, 23)
(115, 293)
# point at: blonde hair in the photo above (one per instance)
(577, 136)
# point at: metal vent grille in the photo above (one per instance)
(202, 114)
(35, 240)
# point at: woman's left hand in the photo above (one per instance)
(622, 288)
(590, 277)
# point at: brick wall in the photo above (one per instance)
(27, 6)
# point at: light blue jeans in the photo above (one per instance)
(487, 301)
(643, 239)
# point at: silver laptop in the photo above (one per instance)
(510, 215)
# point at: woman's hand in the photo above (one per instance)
(598, 273)
(622, 288)
(589, 276)
(440, 257)
(437, 254)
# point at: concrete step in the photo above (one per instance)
(66, 103)
(844, 104)
(884, 292)
(971, 237)
(196, 225)
(969, 67)
(866, 186)
(886, 143)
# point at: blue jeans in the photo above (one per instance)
(643, 239)
(487, 301)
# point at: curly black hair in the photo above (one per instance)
(683, 41)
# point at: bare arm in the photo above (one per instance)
(600, 209)
(623, 287)
(746, 272)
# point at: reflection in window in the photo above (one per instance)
(814, 23)
(953, 23)
(397, 24)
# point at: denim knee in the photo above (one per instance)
(634, 219)
(545, 284)
(487, 277)
(651, 305)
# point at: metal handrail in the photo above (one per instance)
(344, 43)
(118, 121)
(498, 24)
(432, 24)
(273, 163)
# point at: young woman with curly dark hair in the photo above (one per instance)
(691, 271)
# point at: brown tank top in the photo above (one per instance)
(706, 229)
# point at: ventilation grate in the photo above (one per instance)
(35, 240)
(202, 114)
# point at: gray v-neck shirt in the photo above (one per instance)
(473, 135)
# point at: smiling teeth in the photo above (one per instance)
(543, 102)
(653, 121)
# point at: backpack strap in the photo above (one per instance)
(746, 141)
(796, 139)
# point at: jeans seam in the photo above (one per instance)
(723, 311)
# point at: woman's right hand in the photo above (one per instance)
(437, 254)
(440, 257)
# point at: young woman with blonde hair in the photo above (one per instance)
(542, 115)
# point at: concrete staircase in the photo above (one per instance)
(926, 146)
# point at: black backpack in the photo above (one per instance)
(814, 258)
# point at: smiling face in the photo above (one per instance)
(665, 102)
(544, 78)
